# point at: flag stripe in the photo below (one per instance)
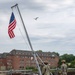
(11, 34)
(12, 23)
(12, 26)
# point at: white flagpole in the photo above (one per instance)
(16, 5)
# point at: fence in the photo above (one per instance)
(71, 71)
(16, 72)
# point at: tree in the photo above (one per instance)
(56, 53)
(72, 64)
(39, 51)
(68, 57)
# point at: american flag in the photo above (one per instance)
(12, 25)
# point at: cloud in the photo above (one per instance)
(53, 31)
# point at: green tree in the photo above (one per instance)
(68, 57)
(72, 64)
(39, 51)
(56, 53)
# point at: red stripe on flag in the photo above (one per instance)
(11, 34)
(12, 25)
(10, 29)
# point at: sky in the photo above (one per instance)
(53, 31)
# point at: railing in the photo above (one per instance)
(71, 71)
(16, 72)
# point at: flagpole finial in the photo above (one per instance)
(14, 5)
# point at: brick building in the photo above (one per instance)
(19, 59)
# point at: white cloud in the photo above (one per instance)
(39, 1)
(68, 2)
(53, 30)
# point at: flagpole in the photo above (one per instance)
(16, 5)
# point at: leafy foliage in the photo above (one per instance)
(72, 64)
(56, 53)
(68, 57)
(70, 60)
(34, 69)
(39, 51)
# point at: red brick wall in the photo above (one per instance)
(19, 61)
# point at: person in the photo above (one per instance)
(64, 68)
(41, 66)
(46, 69)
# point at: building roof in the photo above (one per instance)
(28, 53)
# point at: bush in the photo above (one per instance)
(31, 68)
